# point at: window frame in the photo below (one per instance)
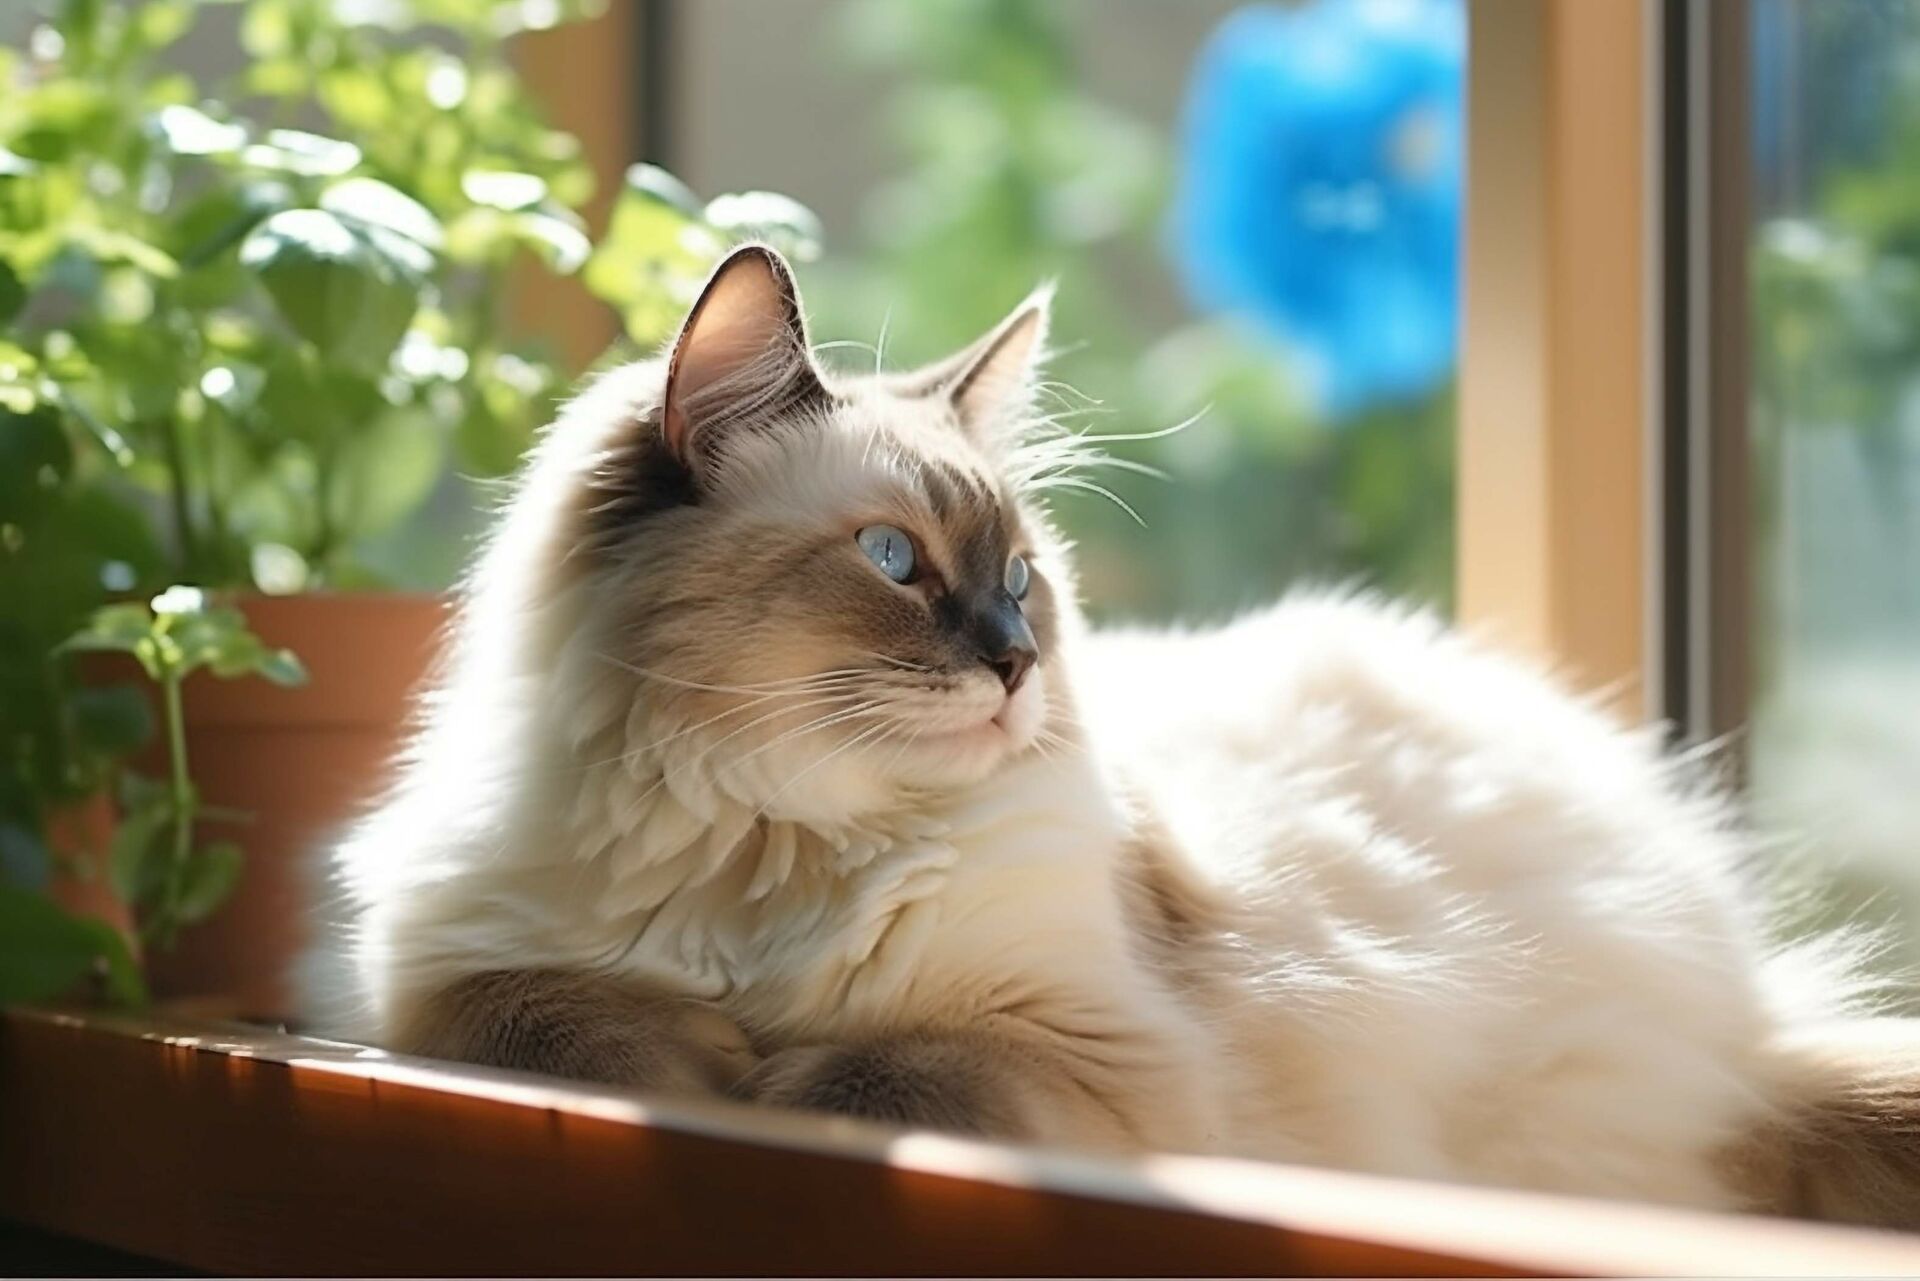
(1558, 539)
(1603, 455)
(1706, 489)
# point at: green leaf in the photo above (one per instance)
(358, 97)
(44, 951)
(656, 183)
(216, 221)
(131, 868)
(501, 189)
(386, 471)
(119, 970)
(13, 293)
(113, 719)
(161, 22)
(24, 860)
(121, 247)
(283, 667)
(375, 203)
(33, 450)
(349, 289)
(770, 216)
(190, 132)
(267, 28)
(117, 629)
(308, 154)
(123, 623)
(235, 655)
(216, 637)
(557, 236)
(212, 873)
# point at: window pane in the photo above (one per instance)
(1836, 444)
(1154, 158)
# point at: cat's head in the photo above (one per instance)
(826, 588)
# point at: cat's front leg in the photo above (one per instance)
(973, 1083)
(584, 1026)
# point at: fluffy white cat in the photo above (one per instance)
(773, 758)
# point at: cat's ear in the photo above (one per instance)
(741, 357)
(990, 384)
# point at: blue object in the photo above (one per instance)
(1321, 188)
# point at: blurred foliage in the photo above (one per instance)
(1011, 172)
(1834, 275)
(246, 330)
(1835, 265)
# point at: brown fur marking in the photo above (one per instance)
(584, 1027)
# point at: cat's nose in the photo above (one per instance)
(1012, 667)
(1006, 642)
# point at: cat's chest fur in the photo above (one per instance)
(963, 906)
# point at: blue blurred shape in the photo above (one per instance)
(1320, 191)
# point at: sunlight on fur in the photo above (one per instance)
(716, 795)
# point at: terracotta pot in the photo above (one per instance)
(301, 762)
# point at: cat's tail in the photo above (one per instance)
(1846, 1144)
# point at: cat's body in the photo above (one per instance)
(1327, 885)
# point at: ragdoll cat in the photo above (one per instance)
(773, 759)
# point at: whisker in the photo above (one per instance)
(1157, 434)
(760, 687)
(882, 729)
(658, 743)
(891, 661)
(837, 343)
(777, 712)
(819, 722)
(1075, 482)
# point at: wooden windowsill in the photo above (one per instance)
(228, 1148)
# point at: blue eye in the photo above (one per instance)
(1019, 578)
(890, 549)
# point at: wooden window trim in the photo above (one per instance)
(1557, 542)
(221, 1146)
(584, 74)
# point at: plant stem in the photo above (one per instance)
(181, 785)
(182, 514)
(325, 537)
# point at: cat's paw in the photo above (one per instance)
(921, 1084)
(702, 1048)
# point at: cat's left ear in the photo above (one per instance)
(990, 384)
(741, 358)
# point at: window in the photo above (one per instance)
(1792, 464)
(1834, 435)
(976, 149)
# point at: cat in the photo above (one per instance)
(773, 759)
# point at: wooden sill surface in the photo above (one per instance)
(229, 1148)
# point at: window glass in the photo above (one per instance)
(1835, 297)
(1252, 211)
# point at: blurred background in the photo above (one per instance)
(1208, 182)
(953, 154)
(949, 156)
(1834, 414)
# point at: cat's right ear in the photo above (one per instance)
(741, 359)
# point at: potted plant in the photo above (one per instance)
(267, 363)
